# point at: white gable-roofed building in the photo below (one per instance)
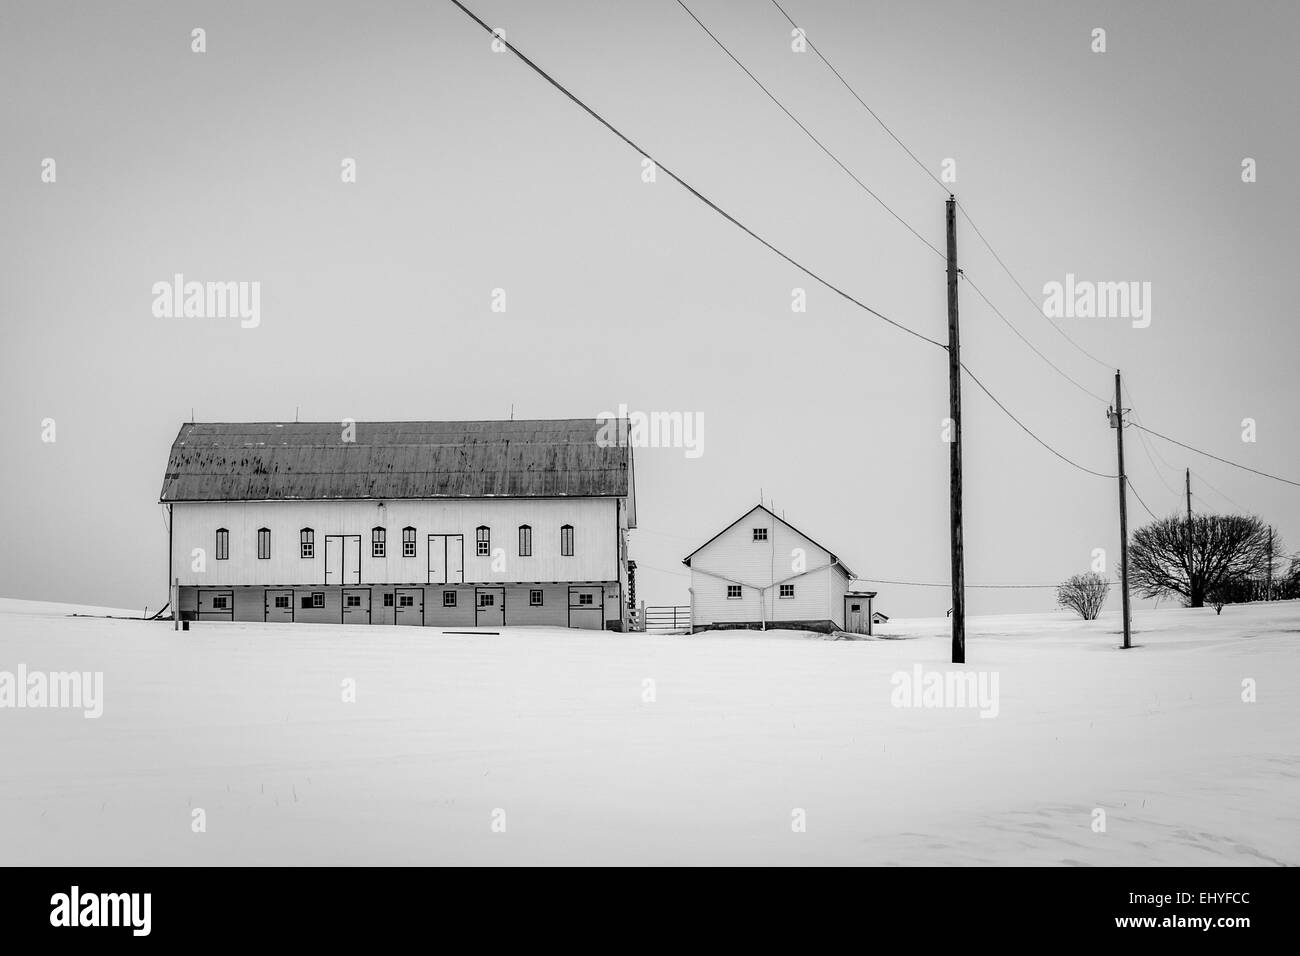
(761, 571)
(424, 523)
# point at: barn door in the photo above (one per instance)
(356, 606)
(342, 559)
(409, 606)
(587, 607)
(352, 559)
(489, 607)
(278, 605)
(437, 559)
(446, 559)
(455, 559)
(334, 559)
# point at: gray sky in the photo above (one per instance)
(473, 174)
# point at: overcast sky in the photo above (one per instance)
(473, 174)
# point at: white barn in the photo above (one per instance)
(760, 571)
(479, 524)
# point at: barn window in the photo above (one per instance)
(408, 542)
(484, 536)
(525, 541)
(388, 600)
(448, 598)
(219, 603)
(586, 599)
(760, 534)
(406, 600)
(487, 600)
(282, 600)
(307, 543)
(354, 600)
(787, 590)
(566, 540)
(535, 597)
(317, 598)
(855, 607)
(263, 544)
(223, 544)
(733, 591)
(378, 538)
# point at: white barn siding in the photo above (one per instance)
(597, 538)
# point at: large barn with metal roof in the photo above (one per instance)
(473, 524)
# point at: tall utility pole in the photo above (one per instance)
(1190, 554)
(954, 447)
(1117, 423)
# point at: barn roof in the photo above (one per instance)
(261, 461)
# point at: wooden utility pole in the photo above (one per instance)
(1190, 553)
(954, 447)
(1117, 423)
(1268, 587)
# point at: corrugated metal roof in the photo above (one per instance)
(309, 460)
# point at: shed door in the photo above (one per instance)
(857, 620)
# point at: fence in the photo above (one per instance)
(667, 618)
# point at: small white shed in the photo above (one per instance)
(760, 571)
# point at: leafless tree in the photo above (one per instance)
(1198, 560)
(1084, 593)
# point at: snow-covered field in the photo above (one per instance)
(558, 735)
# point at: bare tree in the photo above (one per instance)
(1084, 593)
(1198, 560)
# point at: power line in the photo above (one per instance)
(869, 191)
(932, 584)
(1005, 268)
(687, 186)
(736, 222)
(1146, 448)
(1199, 477)
(1133, 489)
(1026, 428)
(1028, 298)
(808, 132)
(925, 169)
(1175, 441)
(998, 313)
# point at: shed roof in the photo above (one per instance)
(261, 461)
(834, 558)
